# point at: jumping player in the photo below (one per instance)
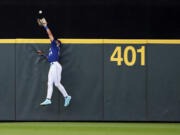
(54, 75)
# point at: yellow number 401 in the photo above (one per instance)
(117, 55)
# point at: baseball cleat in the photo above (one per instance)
(67, 101)
(46, 102)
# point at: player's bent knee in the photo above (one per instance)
(57, 84)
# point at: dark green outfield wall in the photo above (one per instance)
(100, 90)
(7, 82)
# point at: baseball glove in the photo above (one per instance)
(42, 22)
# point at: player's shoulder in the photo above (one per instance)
(54, 44)
(53, 41)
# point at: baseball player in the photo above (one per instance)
(54, 75)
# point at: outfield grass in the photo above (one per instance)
(85, 128)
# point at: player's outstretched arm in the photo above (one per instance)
(44, 23)
(51, 37)
(42, 54)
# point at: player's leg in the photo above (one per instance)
(61, 89)
(49, 86)
(57, 80)
(58, 84)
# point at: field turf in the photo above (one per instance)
(85, 128)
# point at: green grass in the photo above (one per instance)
(85, 128)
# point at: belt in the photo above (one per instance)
(52, 62)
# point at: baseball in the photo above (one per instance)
(40, 11)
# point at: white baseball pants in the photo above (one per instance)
(54, 77)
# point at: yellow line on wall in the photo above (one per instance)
(92, 41)
(167, 41)
(8, 41)
(82, 41)
(141, 41)
(31, 41)
(125, 41)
